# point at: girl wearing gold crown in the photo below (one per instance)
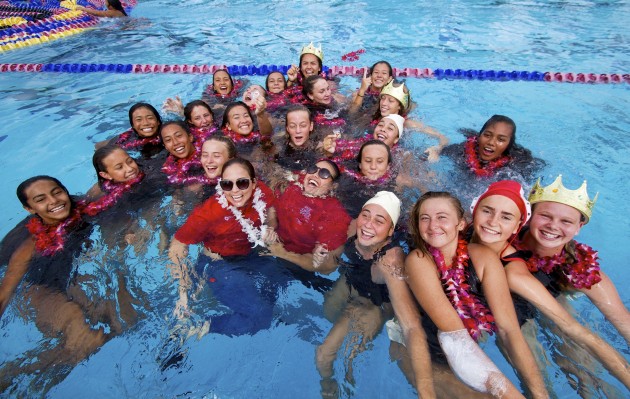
(311, 63)
(463, 289)
(498, 215)
(396, 99)
(558, 216)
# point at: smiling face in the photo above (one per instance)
(439, 224)
(374, 226)
(380, 76)
(389, 105)
(144, 122)
(494, 140)
(119, 167)
(553, 225)
(374, 161)
(200, 117)
(299, 127)
(276, 83)
(47, 200)
(387, 132)
(309, 65)
(495, 220)
(177, 142)
(213, 155)
(315, 185)
(321, 93)
(222, 83)
(240, 121)
(238, 197)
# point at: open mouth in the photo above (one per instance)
(381, 136)
(313, 183)
(549, 236)
(131, 175)
(490, 231)
(57, 209)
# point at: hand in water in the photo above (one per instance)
(433, 154)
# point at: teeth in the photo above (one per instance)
(313, 182)
(57, 208)
(366, 234)
(490, 231)
(549, 235)
(380, 136)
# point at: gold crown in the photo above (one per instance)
(556, 192)
(310, 49)
(398, 92)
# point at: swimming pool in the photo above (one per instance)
(580, 130)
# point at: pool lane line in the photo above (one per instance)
(263, 70)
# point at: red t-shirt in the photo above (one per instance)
(305, 221)
(218, 228)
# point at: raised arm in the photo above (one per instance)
(497, 293)
(357, 100)
(16, 269)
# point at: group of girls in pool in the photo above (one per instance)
(320, 191)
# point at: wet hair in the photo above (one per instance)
(244, 163)
(231, 105)
(271, 73)
(387, 64)
(188, 109)
(334, 166)
(98, 157)
(22, 187)
(414, 219)
(375, 142)
(116, 5)
(494, 119)
(181, 124)
(150, 107)
(298, 108)
(309, 84)
(231, 148)
(319, 62)
(229, 76)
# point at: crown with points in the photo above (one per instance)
(310, 49)
(556, 192)
(398, 92)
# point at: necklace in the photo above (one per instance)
(579, 271)
(474, 314)
(177, 170)
(49, 239)
(485, 169)
(254, 234)
(113, 193)
(125, 142)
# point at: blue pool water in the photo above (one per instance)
(51, 122)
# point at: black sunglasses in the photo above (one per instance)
(228, 185)
(321, 172)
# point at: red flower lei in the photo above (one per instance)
(381, 181)
(124, 140)
(582, 272)
(474, 314)
(202, 134)
(114, 192)
(326, 120)
(474, 163)
(50, 239)
(177, 169)
(253, 137)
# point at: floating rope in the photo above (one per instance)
(263, 70)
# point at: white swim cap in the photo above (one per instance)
(399, 121)
(389, 202)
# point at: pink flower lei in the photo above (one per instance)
(381, 181)
(125, 142)
(253, 137)
(202, 134)
(581, 272)
(238, 84)
(177, 169)
(474, 314)
(328, 118)
(474, 163)
(113, 192)
(50, 239)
